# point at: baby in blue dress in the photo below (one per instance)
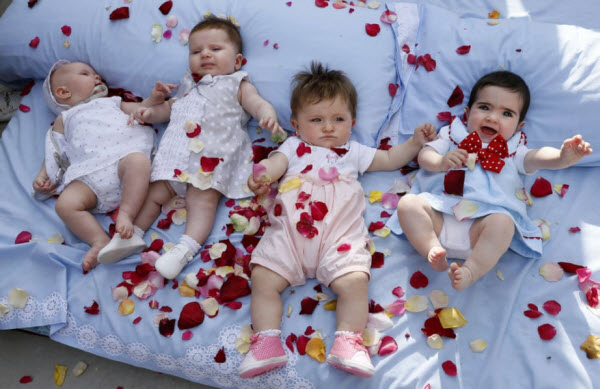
(463, 203)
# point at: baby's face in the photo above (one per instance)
(212, 52)
(496, 111)
(327, 123)
(74, 82)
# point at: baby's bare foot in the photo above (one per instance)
(90, 260)
(460, 276)
(124, 225)
(437, 258)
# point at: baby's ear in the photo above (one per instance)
(62, 92)
(239, 58)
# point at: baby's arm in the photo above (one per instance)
(42, 183)
(275, 167)
(402, 154)
(154, 109)
(259, 108)
(571, 151)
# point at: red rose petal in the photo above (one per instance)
(303, 196)
(31, 3)
(456, 97)
(23, 237)
(377, 260)
(427, 62)
(166, 327)
(164, 224)
(541, 187)
(592, 297)
(454, 182)
(196, 132)
(34, 42)
(303, 149)
(344, 247)
(393, 89)
(234, 287)
(220, 357)
(209, 164)
(26, 379)
(573, 230)
(318, 210)
(301, 344)
(385, 214)
(569, 267)
(187, 335)
(321, 3)
(119, 13)
(411, 59)
(27, 88)
(445, 116)
(463, 49)
(419, 280)
(546, 331)
(166, 308)
(372, 29)
(290, 340)
(374, 307)
(137, 320)
(433, 325)
(532, 314)
(235, 305)
(449, 368)
(532, 306)
(552, 307)
(406, 49)
(308, 306)
(24, 108)
(92, 309)
(66, 30)
(230, 203)
(191, 316)
(309, 331)
(166, 7)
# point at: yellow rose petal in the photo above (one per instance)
(451, 318)
(126, 307)
(416, 303)
(499, 275)
(375, 196)
(224, 271)
(186, 291)
(371, 337)
(60, 372)
(382, 232)
(591, 346)
(330, 306)
(56, 239)
(290, 184)
(315, 348)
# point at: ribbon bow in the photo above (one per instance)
(490, 157)
(207, 79)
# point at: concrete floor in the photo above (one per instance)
(27, 354)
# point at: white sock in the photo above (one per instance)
(138, 231)
(190, 243)
(336, 333)
(272, 332)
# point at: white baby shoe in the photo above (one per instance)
(169, 264)
(119, 248)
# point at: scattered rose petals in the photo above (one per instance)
(60, 372)
(234, 287)
(388, 346)
(315, 348)
(220, 357)
(398, 291)
(210, 306)
(26, 379)
(532, 312)
(456, 97)
(344, 247)
(308, 306)
(66, 30)
(119, 13)
(416, 303)
(167, 34)
(290, 184)
(388, 17)
(321, 3)
(573, 230)
(34, 42)
(451, 318)
(171, 21)
(372, 29)
(165, 7)
(464, 209)
(17, 297)
(463, 49)
(435, 342)
(449, 368)
(187, 335)
(523, 195)
(591, 346)
(389, 200)
(541, 187)
(546, 331)
(126, 307)
(137, 320)
(166, 327)
(544, 226)
(477, 345)
(439, 299)
(561, 189)
(396, 308)
(184, 36)
(419, 280)
(301, 344)
(23, 237)
(79, 368)
(24, 108)
(569, 267)
(551, 271)
(552, 307)
(92, 309)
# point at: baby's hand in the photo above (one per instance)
(141, 115)
(424, 133)
(454, 159)
(160, 92)
(42, 183)
(271, 124)
(573, 149)
(259, 181)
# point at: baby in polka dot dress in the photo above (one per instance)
(205, 151)
(473, 213)
(108, 156)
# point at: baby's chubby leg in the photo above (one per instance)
(490, 238)
(265, 305)
(422, 226)
(352, 308)
(134, 173)
(72, 207)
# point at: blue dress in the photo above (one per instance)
(491, 192)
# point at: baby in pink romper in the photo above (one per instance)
(317, 227)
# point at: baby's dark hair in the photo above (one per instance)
(507, 80)
(213, 22)
(320, 84)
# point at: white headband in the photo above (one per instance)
(48, 96)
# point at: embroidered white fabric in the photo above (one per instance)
(52, 306)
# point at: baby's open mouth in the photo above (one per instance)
(488, 131)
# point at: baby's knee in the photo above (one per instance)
(501, 222)
(138, 161)
(350, 282)
(407, 202)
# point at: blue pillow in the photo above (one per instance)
(279, 40)
(560, 64)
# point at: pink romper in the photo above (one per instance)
(301, 244)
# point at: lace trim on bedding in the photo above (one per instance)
(52, 307)
(197, 364)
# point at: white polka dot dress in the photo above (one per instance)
(206, 143)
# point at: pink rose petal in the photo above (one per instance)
(388, 346)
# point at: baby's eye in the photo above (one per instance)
(339, 119)
(483, 107)
(315, 120)
(508, 114)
